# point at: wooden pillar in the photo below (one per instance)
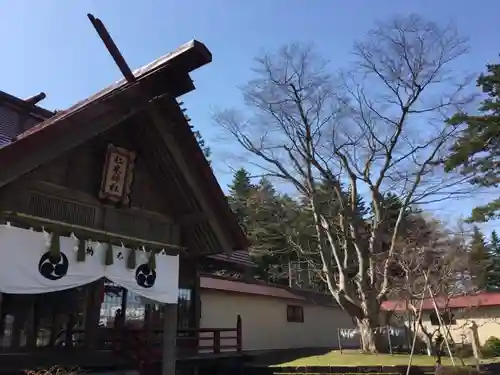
(124, 303)
(70, 324)
(2, 319)
(53, 329)
(93, 309)
(196, 309)
(169, 355)
(196, 298)
(239, 335)
(17, 329)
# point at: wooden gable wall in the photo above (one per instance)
(66, 189)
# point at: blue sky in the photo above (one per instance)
(50, 45)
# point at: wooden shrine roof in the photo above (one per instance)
(159, 82)
(33, 110)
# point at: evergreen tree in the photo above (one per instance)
(329, 205)
(240, 191)
(495, 244)
(477, 151)
(479, 260)
(269, 218)
(361, 208)
(241, 187)
(264, 217)
(390, 206)
(494, 269)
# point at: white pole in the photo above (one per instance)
(441, 325)
(419, 316)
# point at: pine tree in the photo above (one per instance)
(329, 205)
(495, 244)
(494, 269)
(477, 151)
(241, 186)
(479, 260)
(240, 191)
(361, 208)
(390, 207)
(269, 219)
(264, 217)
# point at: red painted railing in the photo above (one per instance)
(145, 346)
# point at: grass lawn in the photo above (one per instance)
(355, 358)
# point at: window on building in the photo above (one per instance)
(447, 318)
(185, 309)
(295, 314)
(136, 305)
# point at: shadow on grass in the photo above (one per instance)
(325, 361)
(276, 357)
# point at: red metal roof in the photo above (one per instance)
(477, 300)
(277, 291)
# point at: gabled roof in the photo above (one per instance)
(260, 288)
(33, 110)
(16, 115)
(240, 257)
(199, 55)
(166, 77)
(484, 299)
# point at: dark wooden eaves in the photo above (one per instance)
(96, 114)
(34, 110)
(158, 82)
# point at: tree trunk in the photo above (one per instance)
(371, 339)
(428, 344)
(427, 338)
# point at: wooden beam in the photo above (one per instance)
(112, 48)
(161, 125)
(91, 233)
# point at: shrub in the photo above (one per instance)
(491, 347)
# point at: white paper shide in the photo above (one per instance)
(27, 267)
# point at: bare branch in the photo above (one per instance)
(375, 130)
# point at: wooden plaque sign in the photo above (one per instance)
(117, 175)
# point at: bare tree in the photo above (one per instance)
(431, 260)
(378, 128)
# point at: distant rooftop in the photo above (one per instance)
(18, 115)
(240, 257)
(483, 299)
